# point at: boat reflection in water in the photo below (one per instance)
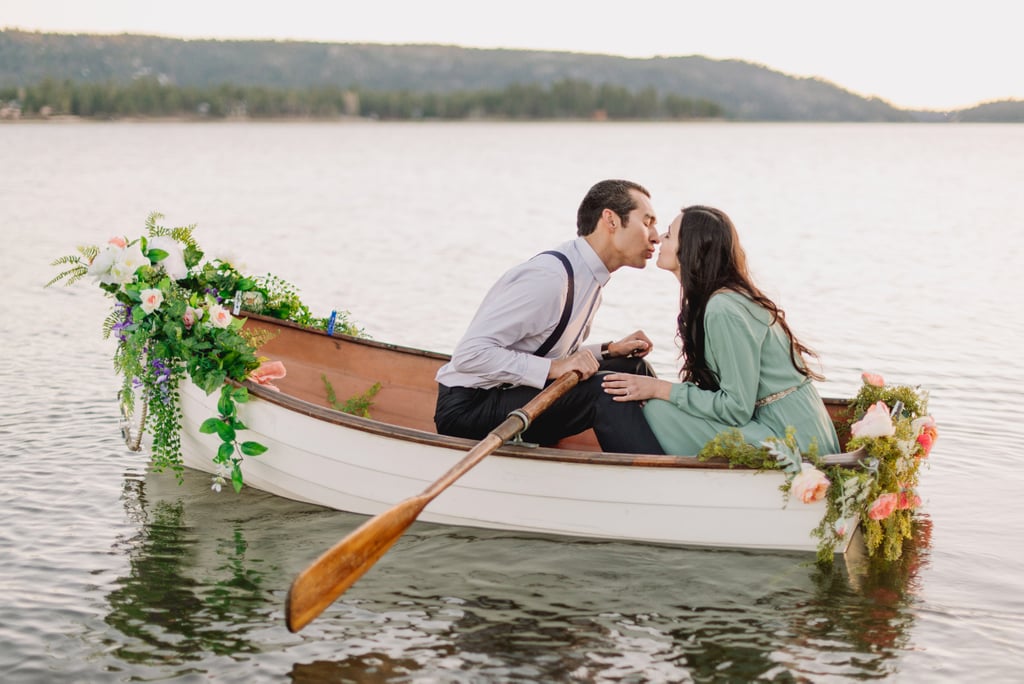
(208, 573)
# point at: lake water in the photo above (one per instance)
(893, 248)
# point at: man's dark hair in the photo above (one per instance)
(608, 194)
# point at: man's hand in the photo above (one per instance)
(582, 361)
(637, 345)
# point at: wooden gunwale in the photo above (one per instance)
(305, 343)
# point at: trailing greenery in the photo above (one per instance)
(173, 316)
(893, 463)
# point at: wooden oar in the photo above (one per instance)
(331, 574)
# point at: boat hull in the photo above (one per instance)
(364, 466)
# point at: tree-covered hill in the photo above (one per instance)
(1003, 111)
(740, 90)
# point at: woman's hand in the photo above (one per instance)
(628, 387)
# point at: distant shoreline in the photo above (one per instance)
(70, 118)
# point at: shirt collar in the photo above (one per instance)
(597, 268)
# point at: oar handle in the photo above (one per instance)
(517, 421)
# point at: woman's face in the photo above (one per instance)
(668, 254)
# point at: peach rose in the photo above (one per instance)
(118, 241)
(809, 485)
(875, 423)
(873, 379)
(152, 298)
(219, 316)
(908, 499)
(927, 433)
(883, 506)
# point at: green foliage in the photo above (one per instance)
(890, 469)
(894, 463)
(848, 495)
(79, 265)
(358, 405)
(280, 299)
(730, 446)
(772, 454)
(913, 400)
(172, 319)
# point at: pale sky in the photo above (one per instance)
(917, 54)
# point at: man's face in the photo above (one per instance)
(635, 241)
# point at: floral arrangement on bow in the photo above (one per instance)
(893, 427)
(174, 315)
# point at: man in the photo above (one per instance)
(531, 324)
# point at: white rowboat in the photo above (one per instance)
(323, 456)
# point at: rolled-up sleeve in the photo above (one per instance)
(515, 318)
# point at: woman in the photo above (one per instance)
(742, 366)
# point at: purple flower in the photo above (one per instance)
(119, 330)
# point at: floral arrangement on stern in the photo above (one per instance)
(892, 425)
(176, 314)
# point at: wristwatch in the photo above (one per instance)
(605, 352)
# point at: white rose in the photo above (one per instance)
(174, 263)
(875, 423)
(101, 265)
(128, 261)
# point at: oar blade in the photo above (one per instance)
(340, 566)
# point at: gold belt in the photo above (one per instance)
(764, 401)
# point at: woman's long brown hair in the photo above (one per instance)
(711, 259)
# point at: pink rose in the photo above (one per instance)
(883, 506)
(809, 485)
(875, 423)
(118, 241)
(268, 370)
(189, 317)
(873, 379)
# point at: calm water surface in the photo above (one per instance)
(895, 249)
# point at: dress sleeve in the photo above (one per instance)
(732, 347)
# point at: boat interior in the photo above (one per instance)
(352, 366)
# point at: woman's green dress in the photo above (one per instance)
(752, 360)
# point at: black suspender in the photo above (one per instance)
(556, 334)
